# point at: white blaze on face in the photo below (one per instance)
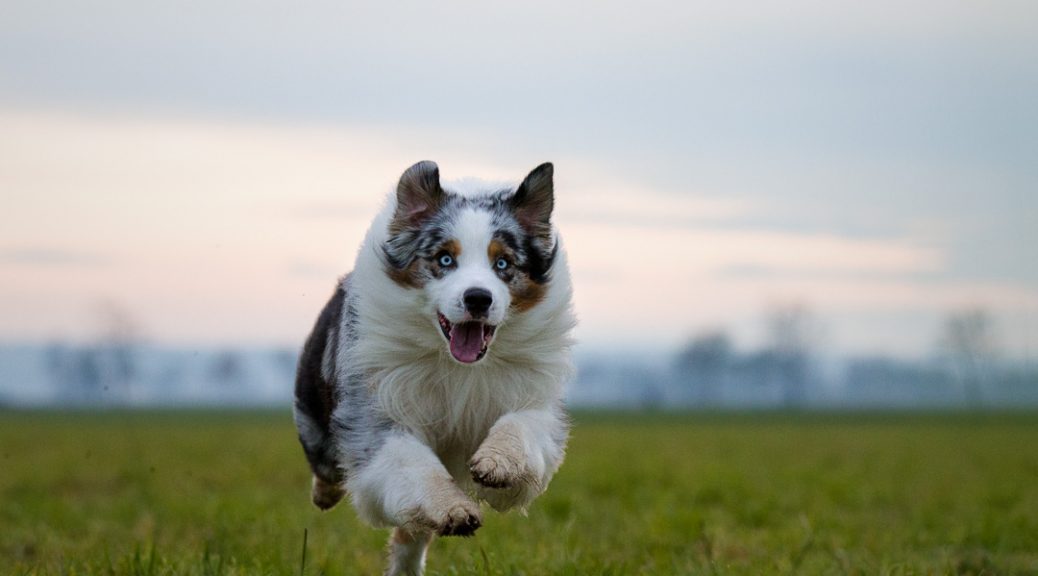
(473, 232)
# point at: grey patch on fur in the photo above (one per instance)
(358, 425)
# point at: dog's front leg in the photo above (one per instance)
(520, 454)
(405, 485)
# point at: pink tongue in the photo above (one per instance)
(467, 341)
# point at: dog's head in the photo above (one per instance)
(480, 259)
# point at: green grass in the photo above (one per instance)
(208, 494)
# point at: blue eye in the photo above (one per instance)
(446, 260)
(501, 264)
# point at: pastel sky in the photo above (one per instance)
(210, 167)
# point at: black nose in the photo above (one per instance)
(478, 301)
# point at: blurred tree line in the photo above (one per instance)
(786, 371)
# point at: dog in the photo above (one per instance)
(433, 378)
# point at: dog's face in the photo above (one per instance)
(479, 259)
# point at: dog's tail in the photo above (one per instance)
(315, 400)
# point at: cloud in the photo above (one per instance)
(338, 211)
(613, 201)
(308, 269)
(769, 273)
(43, 256)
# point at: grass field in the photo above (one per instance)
(207, 494)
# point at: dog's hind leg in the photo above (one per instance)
(315, 400)
(407, 552)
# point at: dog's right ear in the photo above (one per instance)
(418, 194)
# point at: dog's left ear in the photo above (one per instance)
(534, 200)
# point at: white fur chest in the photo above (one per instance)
(451, 406)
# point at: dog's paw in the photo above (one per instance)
(495, 469)
(326, 494)
(463, 519)
(458, 518)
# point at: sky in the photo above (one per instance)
(210, 168)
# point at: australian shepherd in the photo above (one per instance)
(432, 381)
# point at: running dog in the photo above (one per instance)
(433, 378)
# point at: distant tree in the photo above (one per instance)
(703, 364)
(790, 333)
(57, 358)
(120, 334)
(228, 368)
(103, 370)
(77, 372)
(968, 342)
(117, 346)
(89, 375)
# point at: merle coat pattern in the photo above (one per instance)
(432, 380)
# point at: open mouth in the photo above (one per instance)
(468, 340)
